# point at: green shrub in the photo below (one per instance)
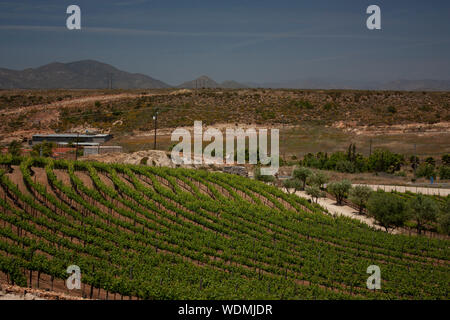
(431, 161)
(423, 210)
(345, 166)
(43, 149)
(329, 106)
(144, 161)
(446, 159)
(444, 217)
(302, 174)
(339, 190)
(400, 174)
(314, 192)
(385, 161)
(359, 195)
(426, 170)
(414, 160)
(260, 177)
(293, 183)
(392, 109)
(15, 148)
(318, 179)
(444, 172)
(389, 210)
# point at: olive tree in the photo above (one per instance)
(444, 217)
(302, 174)
(389, 210)
(318, 179)
(315, 192)
(292, 183)
(423, 210)
(359, 195)
(339, 190)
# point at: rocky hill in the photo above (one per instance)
(207, 82)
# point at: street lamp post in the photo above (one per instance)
(155, 118)
(76, 150)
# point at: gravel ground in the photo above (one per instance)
(342, 210)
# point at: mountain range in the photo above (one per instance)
(327, 84)
(86, 74)
(91, 74)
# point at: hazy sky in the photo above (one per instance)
(244, 40)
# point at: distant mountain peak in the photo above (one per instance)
(206, 82)
(204, 77)
(200, 82)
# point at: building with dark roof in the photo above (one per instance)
(73, 138)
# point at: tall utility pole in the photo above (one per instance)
(415, 159)
(155, 118)
(76, 150)
(110, 81)
(370, 150)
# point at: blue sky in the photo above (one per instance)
(246, 40)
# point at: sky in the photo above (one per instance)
(244, 40)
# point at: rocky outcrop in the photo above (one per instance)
(239, 170)
(155, 158)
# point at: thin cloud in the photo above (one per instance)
(137, 32)
(130, 3)
(32, 28)
(364, 52)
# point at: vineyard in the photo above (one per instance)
(159, 233)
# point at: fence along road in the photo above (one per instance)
(424, 190)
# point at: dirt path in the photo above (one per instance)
(75, 102)
(332, 208)
(347, 211)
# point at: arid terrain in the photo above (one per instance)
(309, 120)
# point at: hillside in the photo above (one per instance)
(309, 120)
(160, 233)
(86, 74)
(257, 106)
(267, 107)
